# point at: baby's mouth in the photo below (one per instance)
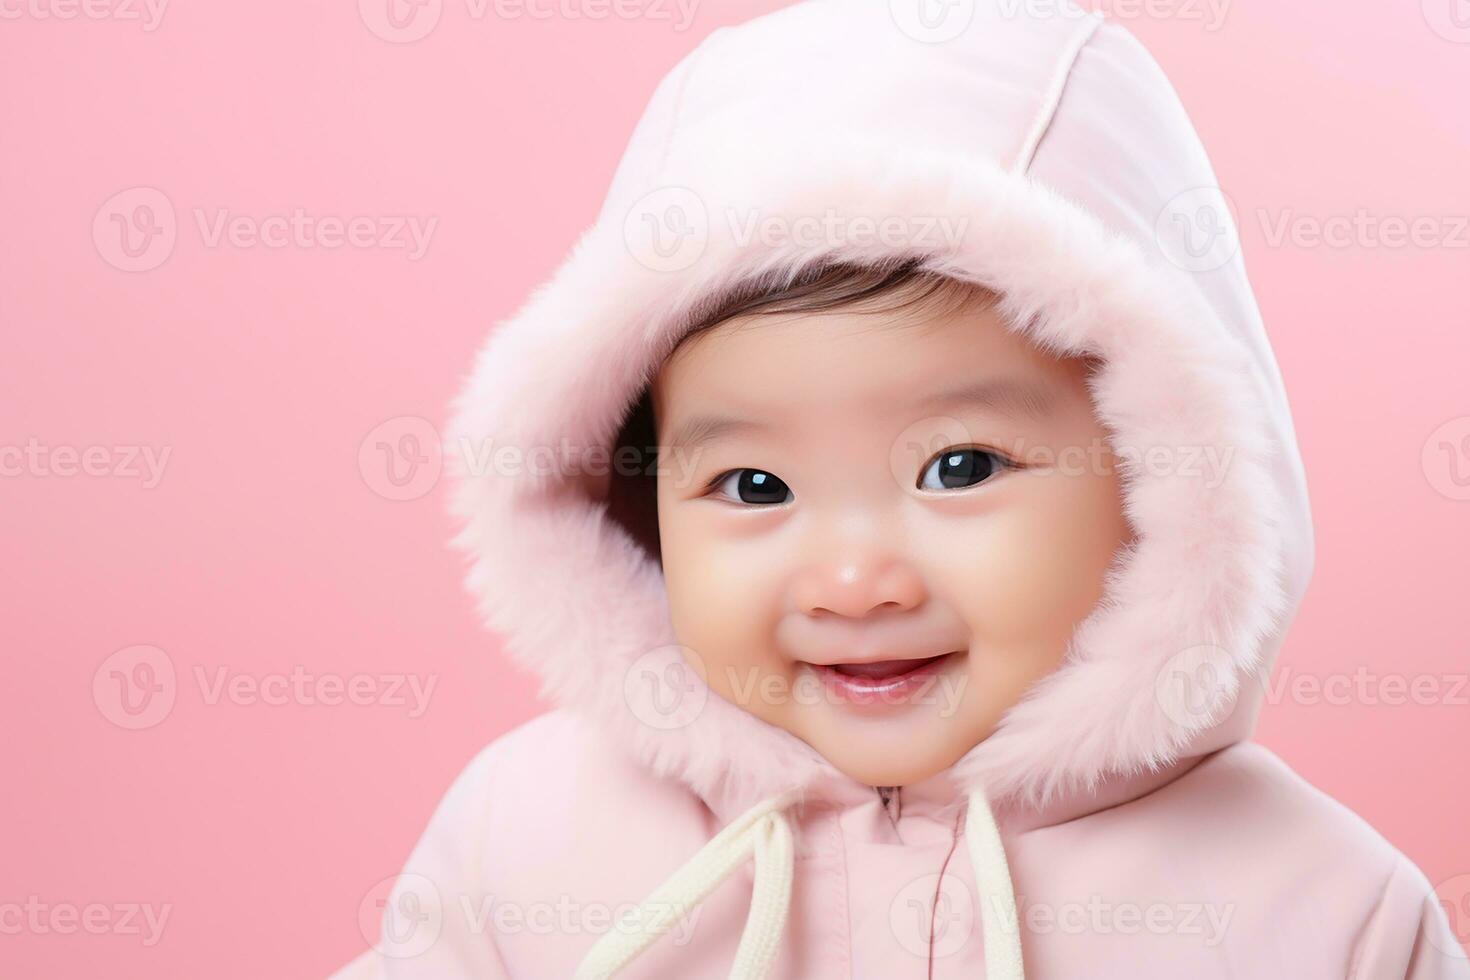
(880, 670)
(883, 682)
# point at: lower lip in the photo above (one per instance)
(898, 689)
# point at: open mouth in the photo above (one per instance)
(885, 681)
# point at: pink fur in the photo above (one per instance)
(579, 603)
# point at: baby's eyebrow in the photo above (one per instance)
(1012, 397)
(700, 429)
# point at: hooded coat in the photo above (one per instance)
(1119, 822)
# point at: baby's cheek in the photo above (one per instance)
(721, 611)
(1024, 576)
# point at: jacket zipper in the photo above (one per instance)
(892, 803)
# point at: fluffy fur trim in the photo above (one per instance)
(583, 607)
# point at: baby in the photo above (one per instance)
(935, 557)
(897, 496)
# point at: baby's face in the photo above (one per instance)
(856, 505)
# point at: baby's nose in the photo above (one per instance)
(856, 585)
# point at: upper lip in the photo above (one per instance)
(830, 642)
(880, 657)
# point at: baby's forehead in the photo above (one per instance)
(863, 370)
(875, 350)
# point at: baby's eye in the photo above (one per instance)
(754, 487)
(959, 468)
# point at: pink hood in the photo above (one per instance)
(1040, 152)
(1059, 147)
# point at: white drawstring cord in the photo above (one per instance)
(763, 831)
(998, 917)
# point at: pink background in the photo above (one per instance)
(270, 542)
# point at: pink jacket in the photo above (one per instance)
(1119, 823)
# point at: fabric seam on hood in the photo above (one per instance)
(677, 109)
(1055, 90)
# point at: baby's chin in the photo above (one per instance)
(895, 738)
(894, 758)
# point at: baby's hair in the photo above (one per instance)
(902, 290)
